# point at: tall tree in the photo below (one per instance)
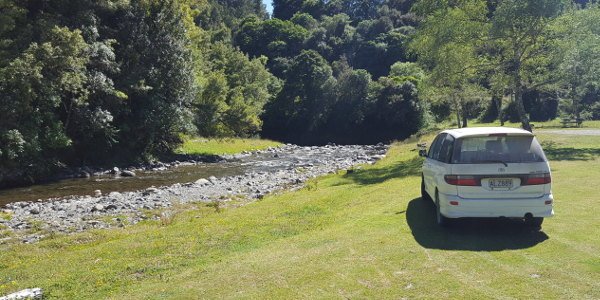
(580, 42)
(448, 43)
(520, 31)
(158, 76)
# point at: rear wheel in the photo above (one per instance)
(534, 222)
(440, 219)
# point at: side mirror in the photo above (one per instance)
(422, 149)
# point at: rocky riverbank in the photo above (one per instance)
(280, 168)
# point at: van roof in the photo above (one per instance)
(484, 131)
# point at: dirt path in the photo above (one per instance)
(592, 132)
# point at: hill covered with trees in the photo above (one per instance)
(116, 81)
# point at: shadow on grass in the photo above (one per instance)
(558, 154)
(469, 234)
(411, 167)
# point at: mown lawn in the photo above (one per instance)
(202, 146)
(361, 235)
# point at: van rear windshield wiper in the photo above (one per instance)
(493, 161)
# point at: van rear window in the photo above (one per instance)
(492, 149)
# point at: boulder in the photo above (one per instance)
(202, 181)
(98, 207)
(127, 173)
(97, 193)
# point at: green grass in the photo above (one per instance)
(361, 235)
(202, 146)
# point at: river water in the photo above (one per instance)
(265, 161)
(111, 183)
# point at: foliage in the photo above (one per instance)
(107, 82)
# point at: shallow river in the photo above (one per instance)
(257, 162)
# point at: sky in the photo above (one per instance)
(269, 5)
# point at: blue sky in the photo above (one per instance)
(269, 5)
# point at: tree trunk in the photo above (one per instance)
(575, 102)
(498, 102)
(519, 98)
(457, 110)
(464, 118)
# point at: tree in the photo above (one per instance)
(272, 38)
(580, 44)
(520, 31)
(448, 43)
(157, 76)
(302, 106)
(234, 96)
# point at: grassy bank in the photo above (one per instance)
(202, 146)
(365, 234)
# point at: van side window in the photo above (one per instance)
(447, 149)
(434, 151)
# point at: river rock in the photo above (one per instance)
(263, 175)
(35, 293)
(98, 207)
(202, 181)
(115, 171)
(127, 173)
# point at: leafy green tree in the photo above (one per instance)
(237, 90)
(158, 77)
(580, 44)
(352, 103)
(448, 44)
(272, 38)
(521, 35)
(286, 9)
(302, 105)
(397, 111)
(40, 92)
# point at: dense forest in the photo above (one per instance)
(117, 81)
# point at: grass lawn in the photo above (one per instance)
(361, 235)
(202, 146)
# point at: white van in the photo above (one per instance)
(487, 172)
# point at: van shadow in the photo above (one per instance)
(468, 234)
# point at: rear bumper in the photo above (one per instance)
(492, 208)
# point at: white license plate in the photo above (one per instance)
(501, 183)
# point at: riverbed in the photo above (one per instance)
(72, 205)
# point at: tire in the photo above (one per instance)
(424, 195)
(441, 220)
(534, 222)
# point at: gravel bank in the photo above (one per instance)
(286, 167)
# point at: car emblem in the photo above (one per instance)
(501, 170)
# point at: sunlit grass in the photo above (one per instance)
(361, 235)
(202, 146)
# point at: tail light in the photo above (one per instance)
(463, 180)
(537, 179)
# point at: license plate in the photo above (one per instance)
(501, 183)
